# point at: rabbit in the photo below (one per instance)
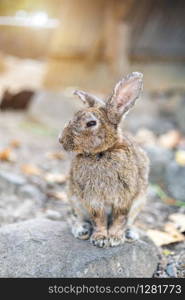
(109, 175)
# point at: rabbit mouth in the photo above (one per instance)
(67, 143)
(68, 146)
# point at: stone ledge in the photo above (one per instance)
(44, 248)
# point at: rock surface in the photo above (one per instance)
(174, 181)
(160, 159)
(180, 119)
(44, 248)
(10, 181)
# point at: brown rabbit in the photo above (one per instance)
(110, 171)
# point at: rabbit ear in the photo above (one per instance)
(88, 98)
(124, 96)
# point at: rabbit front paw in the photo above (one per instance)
(116, 238)
(100, 239)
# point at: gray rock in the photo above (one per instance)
(53, 214)
(44, 248)
(173, 109)
(15, 209)
(160, 159)
(171, 270)
(181, 260)
(166, 172)
(30, 191)
(24, 210)
(10, 181)
(175, 181)
(180, 114)
(149, 113)
(158, 125)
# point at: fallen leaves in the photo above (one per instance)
(168, 236)
(172, 231)
(170, 139)
(167, 252)
(15, 144)
(29, 169)
(55, 155)
(55, 178)
(7, 155)
(58, 196)
(50, 178)
(180, 157)
(178, 220)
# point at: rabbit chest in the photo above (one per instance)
(106, 177)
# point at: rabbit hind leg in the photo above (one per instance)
(131, 232)
(80, 229)
(79, 223)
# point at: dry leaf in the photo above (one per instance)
(170, 139)
(58, 195)
(15, 144)
(170, 201)
(180, 157)
(7, 155)
(167, 252)
(55, 178)
(168, 236)
(171, 228)
(55, 155)
(31, 170)
(178, 220)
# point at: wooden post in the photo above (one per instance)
(88, 49)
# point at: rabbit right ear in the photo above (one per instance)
(124, 96)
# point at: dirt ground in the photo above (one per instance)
(34, 170)
(36, 157)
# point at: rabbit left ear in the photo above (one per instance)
(124, 96)
(88, 98)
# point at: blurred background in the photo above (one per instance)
(48, 48)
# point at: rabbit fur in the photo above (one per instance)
(109, 174)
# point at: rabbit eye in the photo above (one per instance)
(91, 123)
